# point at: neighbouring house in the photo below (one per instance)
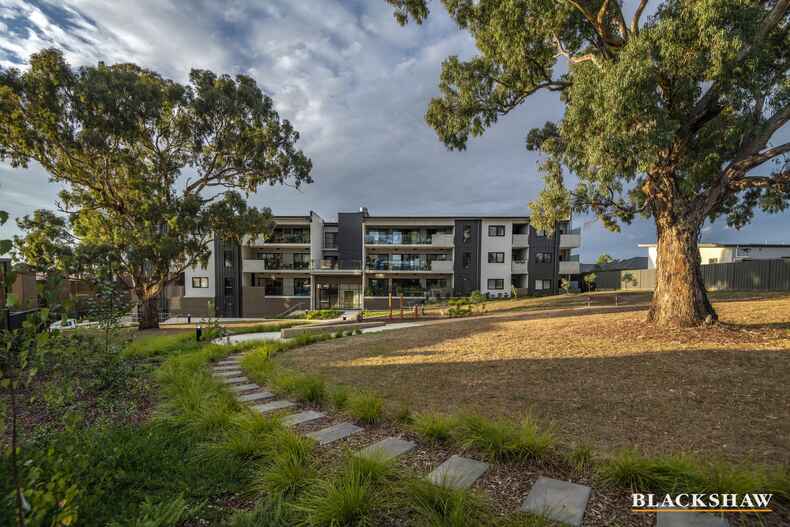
(359, 260)
(712, 253)
(626, 264)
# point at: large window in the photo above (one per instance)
(496, 257)
(200, 282)
(330, 240)
(378, 287)
(496, 283)
(301, 287)
(301, 261)
(290, 235)
(542, 285)
(543, 258)
(467, 233)
(228, 256)
(496, 230)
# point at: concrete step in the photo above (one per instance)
(255, 396)
(244, 387)
(235, 380)
(272, 406)
(458, 472)
(557, 500)
(301, 417)
(333, 433)
(387, 449)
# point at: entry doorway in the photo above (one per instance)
(348, 299)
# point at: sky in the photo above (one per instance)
(351, 80)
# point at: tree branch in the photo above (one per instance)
(575, 59)
(637, 16)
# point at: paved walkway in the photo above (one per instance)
(560, 501)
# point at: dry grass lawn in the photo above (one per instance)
(604, 380)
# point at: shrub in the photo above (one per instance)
(163, 344)
(308, 388)
(366, 407)
(580, 457)
(434, 428)
(357, 331)
(443, 506)
(271, 512)
(323, 314)
(291, 468)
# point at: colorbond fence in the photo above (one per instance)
(766, 275)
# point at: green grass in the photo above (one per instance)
(441, 506)
(434, 428)
(345, 500)
(265, 328)
(323, 314)
(365, 407)
(503, 439)
(154, 345)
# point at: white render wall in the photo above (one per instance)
(728, 254)
(495, 244)
(198, 270)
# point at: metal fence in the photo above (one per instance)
(766, 275)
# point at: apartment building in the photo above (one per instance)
(360, 260)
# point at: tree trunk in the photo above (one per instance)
(149, 312)
(679, 299)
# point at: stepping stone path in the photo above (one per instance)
(256, 396)
(301, 417)
(244, 387)
(458, 472)
(387, 449)
(557, 500)
(333, 433)
(272, 406)
(689, 519)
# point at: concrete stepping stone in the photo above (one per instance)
(244, 387)
(333, 433)
(557, 500)
(256, 396)
(690, 519)
(272, 406)
(387, 449)
(230, 373)
(230, 367)
(235, 380)
(227, 362)
(301, 417)
(458, 472)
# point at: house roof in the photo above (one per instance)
(637, 262)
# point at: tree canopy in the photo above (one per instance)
(153, 169)
(666, 116)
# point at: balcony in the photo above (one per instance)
(518, 267)
(571, 239)
(416, 266)
(521, 240)
(436, 240)
(336, 266)
(570, 265)
(261, 266)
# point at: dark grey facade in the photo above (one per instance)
(466, 260)
(349, 239)
(227, 270)
(541, 270)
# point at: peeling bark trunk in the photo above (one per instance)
(149, 312)
(680, 299)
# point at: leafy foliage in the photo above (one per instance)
(121, 159)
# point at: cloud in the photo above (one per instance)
(351, 80)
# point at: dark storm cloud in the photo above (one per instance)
(353, 82)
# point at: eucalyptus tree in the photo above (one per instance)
(673, 116)
(153, 169)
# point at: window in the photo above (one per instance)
(378, 287)
(542, 285)
(228, 286)
(496, 257)
(273, 287)
(301, 287)
(200, 282)
(467, 260)
(228, 257)
(543, 258)
(301, 260)
(496, 283)
(330, 240)
(713, 260)
(496, 230)
(467, 233)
